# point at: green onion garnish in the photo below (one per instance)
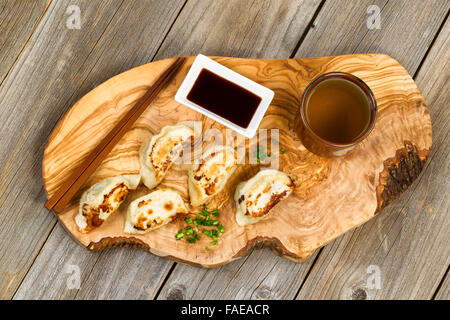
(190, 240)
(215, 213)
(202, 219)
(180, 234)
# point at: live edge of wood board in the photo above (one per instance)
(332, 195)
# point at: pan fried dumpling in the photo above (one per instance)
(103, 198)
(159, 153)
(153, 211)
(258, 195)
(210, 176)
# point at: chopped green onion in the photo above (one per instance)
(202, 219)
(210, 223)
(258, 154)
(190, 240)
(189, 230)
(215, 213)
(180, 234)
(215, 233)
(207, 232)
(204, 213)
(282, 151)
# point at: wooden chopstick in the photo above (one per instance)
(69, 188)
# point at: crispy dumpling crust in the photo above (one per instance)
(159, 153)
(102, 199)
(257, 196)
(211, 175)
(153, 210)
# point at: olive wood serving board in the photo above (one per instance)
(332, 195)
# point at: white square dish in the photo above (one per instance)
(202, 62)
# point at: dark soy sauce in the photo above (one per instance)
(338, 111)
(224, 98)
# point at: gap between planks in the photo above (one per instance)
(310, 25)
(440, 284)
(294, 51)
(438, 32)
(17, 57)
(56, 222)
(168, 31)
(418, 68)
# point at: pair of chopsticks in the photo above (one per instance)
(69, 188)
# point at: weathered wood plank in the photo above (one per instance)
(51, 268)
(261, 275)
(181, 281)
(117, 275)
(251, 29)
(252, 24)
(53, 276)
(408, 243)
(18, 19)
(57, 67)
(406, 29)
(258, 29)
(444, 291)
(116, 261)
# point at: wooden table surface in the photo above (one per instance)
(48, 61)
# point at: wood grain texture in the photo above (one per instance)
(41, 283)
(55, 69)
(18, 20)
(141, 277)
(203, 31)
(244, 29)
(260, 275)
(349, 23)
(415, 228)
(325, 203)
(74, 182)
(249, 24)
(236, 28)
(444, 290)
(406, 31)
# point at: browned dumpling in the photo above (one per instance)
(159, 153)
(258, 195)
(102, 199)
(210, 176)
(153, 210)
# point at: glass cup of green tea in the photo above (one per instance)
(338, 110)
